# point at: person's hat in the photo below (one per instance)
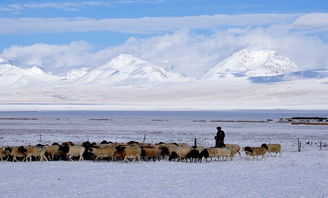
(218, 128)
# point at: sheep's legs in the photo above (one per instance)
(81, 158)
(43, 157)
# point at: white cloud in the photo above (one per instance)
(51, 57)
(139, 25)
(68, 6)
(313, 20)
(310, 22)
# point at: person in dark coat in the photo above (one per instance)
(219, 138)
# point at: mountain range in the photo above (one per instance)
(246, 79)
(256, 65)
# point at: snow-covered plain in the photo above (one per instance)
(294, 174)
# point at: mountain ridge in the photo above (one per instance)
(14, 76)
(249, 62)
(126, 69)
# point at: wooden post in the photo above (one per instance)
(320, 146)
(144, 138)
(40, 138)
(299, 145)
(195, 142)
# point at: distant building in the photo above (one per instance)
(309, 119)
(304, 120)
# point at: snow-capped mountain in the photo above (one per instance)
(76, 74)
(252, 63)
(127, 68)
(145, 83)
(13, 76)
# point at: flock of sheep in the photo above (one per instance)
(131, 151)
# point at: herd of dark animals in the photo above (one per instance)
(134, 150)
(193, 154)
(87, 155)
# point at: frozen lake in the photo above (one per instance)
(158, 126)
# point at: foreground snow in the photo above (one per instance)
(292, 175)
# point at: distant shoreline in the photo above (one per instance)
(139, 107)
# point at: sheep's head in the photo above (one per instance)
(86, 145)
(22, 149)
(265, 146)
(248, 149)
(204, 153)
(132, 142)
(173, 155)
(164, 151)
(8, 149)
(64, 148)
(104, 142)
(40, 145)
(120, 148)
(193, 154)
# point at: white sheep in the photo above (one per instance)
(73, 151)
(14, 153)
(132, 153)
(103, 152)
(255, 151)
(148, 153)
(273, 148)
(215, 153)
(180, 153)
(53, 151)
(34, 151)
(235, 148)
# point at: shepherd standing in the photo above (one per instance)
(219, 138)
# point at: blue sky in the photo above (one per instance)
(98, 29)
(133, 9)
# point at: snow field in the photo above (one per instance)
(292, 175)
